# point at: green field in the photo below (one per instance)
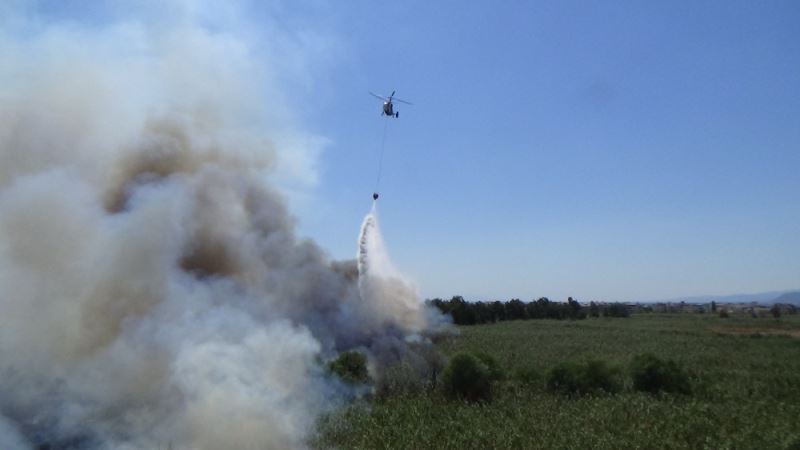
(745, 375)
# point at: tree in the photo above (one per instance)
(594, 310)
(483, 313)
(574, 308)
(498, 310)
(515, 309)
(539, 308)
(776, 311)
(713, 306)
(616, 310)
(462, 312)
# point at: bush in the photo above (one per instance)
(496, 372)
(723, 314)
(564, 378)
(351, 367)
(587, 378)
(652, 374)
(400, 378)
(599, 376)
(467, 377)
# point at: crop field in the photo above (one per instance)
(744, 374)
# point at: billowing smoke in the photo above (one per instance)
(153, 292)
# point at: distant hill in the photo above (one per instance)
(791, 296)
(788, 297)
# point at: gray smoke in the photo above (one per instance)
(153, 292)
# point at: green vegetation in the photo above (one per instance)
(467, 377)
(590, 377)
(776, 311)
(653, 374)
(496, 372)
(745, 392)
(527, 376)
(351, 367)
(475, 313)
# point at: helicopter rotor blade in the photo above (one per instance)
(402, 101)
(378, 96)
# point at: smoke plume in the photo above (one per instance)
(153, 292)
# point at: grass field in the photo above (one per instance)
(745, 375)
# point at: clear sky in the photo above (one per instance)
(604, 150)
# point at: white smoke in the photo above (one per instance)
(153, 293)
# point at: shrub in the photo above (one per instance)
(400, 378)
(723, 313)
(351, 367)
(496, 372)
(563, 378)
(597, 376)
(590, 377)
(417, 370)
(467, 377)
(652, 374)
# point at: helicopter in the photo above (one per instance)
(388, 105)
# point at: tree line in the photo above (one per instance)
(473, 313)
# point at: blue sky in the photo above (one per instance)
(603, 150)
